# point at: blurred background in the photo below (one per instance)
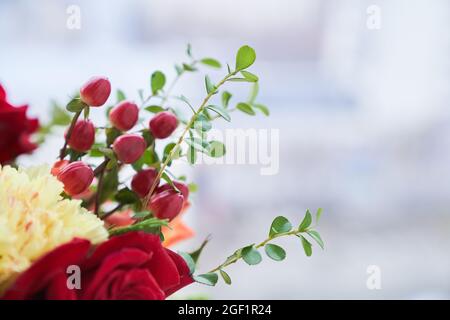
(358, 89)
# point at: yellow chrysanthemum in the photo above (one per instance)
(35, 219)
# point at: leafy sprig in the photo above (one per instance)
(250, 254)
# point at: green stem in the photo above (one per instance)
(62, 152)
(181, 138)
(259, 245)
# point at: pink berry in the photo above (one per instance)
(76, 177)
(163, 124)
(129, 148)
(143, 181)
(83, 136)
(166, 204)
(181, 186)
(124, 115)
(96, 91)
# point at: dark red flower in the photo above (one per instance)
(15, 130)
(131, 266)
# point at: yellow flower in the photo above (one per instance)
(34, 219)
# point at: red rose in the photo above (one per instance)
(15, 130)
(132, 266)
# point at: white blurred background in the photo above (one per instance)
(363, 114)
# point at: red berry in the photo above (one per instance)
(129, 148)
(143, 181)
(83, 136)
(166, 204)
(163, 124)
(124, 115)
(181, 186)
(76, 177)
(57, 166)
(96, 91)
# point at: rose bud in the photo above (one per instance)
(163, 124)
(181, 186)
(82, 136)
(166, 204)
(143, 181)
(57, 166)
(129, 148)
(124, 115)
(96, 91)
(76, 177)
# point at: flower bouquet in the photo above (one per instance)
(98, 224)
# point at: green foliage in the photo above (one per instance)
(151, 225)
(280, 225)
(154, 109)
(210, 279)
(120, 95)
(245, 57)
(246, 108)
(225, 277)
(306, 221)
(216, 149)
(211, 62)
(76, 105)
(251, 256)
(220, 111)
(157, 81)
(275, 252)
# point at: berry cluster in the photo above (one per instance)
(167, 200)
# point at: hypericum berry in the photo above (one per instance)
(166, 204)
(57, 166)
(129, 148)
(163, 124)
(76, 177)
(143, 181)
(96, 91)
(181, 186)
(83, 136)
(124, 115)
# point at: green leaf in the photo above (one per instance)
(306, 221)
(158, 80)
(211, 62)
(279, 225)
(191, 155)
(120, 95)
(111, 135)
(239, 80)
(168, 149)
(196, 254)
(107, 152)
(220, 111)
(216, 149)
(209, 85)
(167, 179)
(198, 144)
(126, 196)
(189, 50)
(59, 116)
(251, 256)
(95, 153)
(306, 246)
(225, 277)
(189, 67)
(246, 108)
(262, 108)
(250, 76)
(151, 225)
(316, 236)
(86, 112)
(178, 69)
(75, 105)
(210, 279)
(189, 261)
(110, 184)
(202, 123)
(253, 93)
(149, 157)
(226, 96)
(155, 109)
(193, 187)
(245, 57)
(275, 252)
(318, 214)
